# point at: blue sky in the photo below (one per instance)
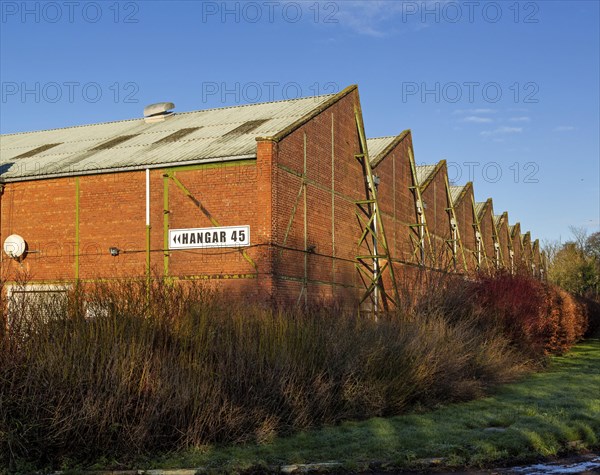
(506, 92)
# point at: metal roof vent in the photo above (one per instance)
(158, 112)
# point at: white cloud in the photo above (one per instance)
(474, 111)
(476, 119)
(520, 119)
(502, 131)
(564, 128)
(383, 18)
(367, 18)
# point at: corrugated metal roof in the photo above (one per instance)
(213, 137)
(455, 192)
(479, 207)
(424, 171)
(378, 145)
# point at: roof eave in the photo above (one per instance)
(487, 204)
(432, 175)
(312, 114)
(134, 168)
(463, 193)
(391, 146)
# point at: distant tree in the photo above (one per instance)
(592, 246)
(580, 236)
(575, 265)
(551, 248)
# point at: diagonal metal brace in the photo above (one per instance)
(206, 213)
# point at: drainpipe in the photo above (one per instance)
(478, 238)
(3, 318)
(1, 193)
(148, 224)
(454, 235)
(421, 232)
(375, 267)
(497, 254)
(512, 262)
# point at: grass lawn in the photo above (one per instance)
(548, 413)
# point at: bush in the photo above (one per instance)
(539, 318)
(178, 367)
(121, 370)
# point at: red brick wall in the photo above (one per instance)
(464, 214)
(43, 212)
(517, 248)
(334, 181)
(527, 253)
(536, 257)
(262, 194)
(112, 214)
(396, 199)
(436, 203)
(504, 239)
(487, 234)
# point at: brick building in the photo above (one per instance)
(261, 199)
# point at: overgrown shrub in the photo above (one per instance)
(121, 370)
(539, 318)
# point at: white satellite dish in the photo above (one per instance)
(14, 246)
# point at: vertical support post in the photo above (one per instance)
(77, 290)
(498, 256)
(267, 152)
(457, 244)
(77, 231)
(394, 202)
(166, 225)
(420, 210)
(305, 228)
(376, 266)
(422, 225)
(481, 254)
(435, 225)
(333, 204)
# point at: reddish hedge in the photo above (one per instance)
(538, 317)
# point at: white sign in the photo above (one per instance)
(225, 236)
